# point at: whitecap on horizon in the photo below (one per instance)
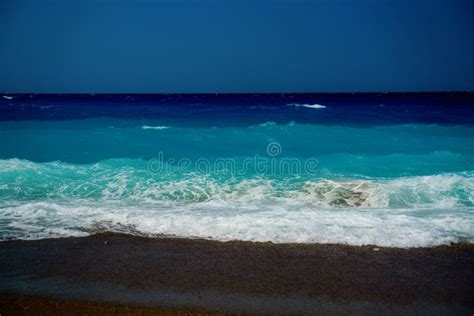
(310, 106)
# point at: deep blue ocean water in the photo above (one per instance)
(384, 169)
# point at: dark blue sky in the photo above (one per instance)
(236, 46)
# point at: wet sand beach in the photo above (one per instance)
(118, 274)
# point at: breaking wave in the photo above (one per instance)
(57, 199)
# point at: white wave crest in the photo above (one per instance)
(154, 127)
(267, 124)
(310, 106)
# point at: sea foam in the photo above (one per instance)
(280, 224)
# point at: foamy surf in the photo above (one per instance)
(279, 224)
(123, 196)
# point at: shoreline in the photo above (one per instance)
(172, 237)
(180, 274)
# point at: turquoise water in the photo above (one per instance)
(407, 184)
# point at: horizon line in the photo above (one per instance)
(237, 93)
